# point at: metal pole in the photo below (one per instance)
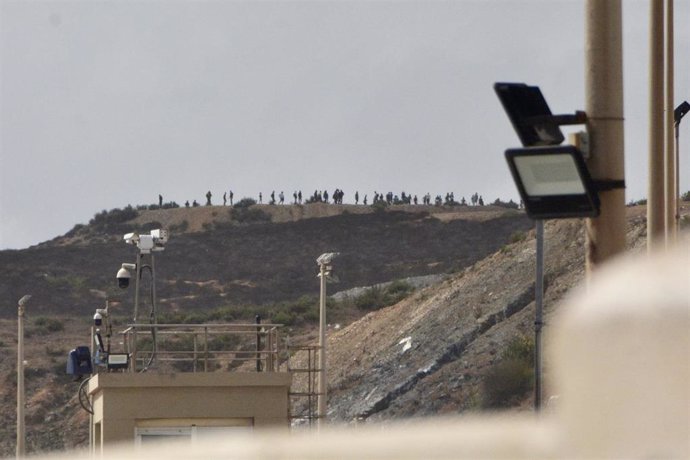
(655, 197)
(322, 397)
(669, 190)
(604, 106)
(538, 323)
(136, 286)
(258, 343)
(21, 396)
(676, 196)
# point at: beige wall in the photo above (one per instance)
(123, 401)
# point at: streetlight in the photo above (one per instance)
(553, 180)
(678, 115)
(21, 397)
(325, 270)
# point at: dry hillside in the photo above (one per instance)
(428, 354)
(431, 353)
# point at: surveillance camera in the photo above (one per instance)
(123, 276)
(97, 319)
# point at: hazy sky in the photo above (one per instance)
(110, 103)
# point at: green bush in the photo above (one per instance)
(245, 203)
(47, 325)
(106, 220)
(379, 206)
(283, 317)
(507, 382)
(377, 297)
(518, 236)
(685, 196)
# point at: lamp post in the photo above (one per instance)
(678, 115)
(21, 397)
(325, 268)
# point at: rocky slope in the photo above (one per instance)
(429, 354)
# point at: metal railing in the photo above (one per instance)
(204, 347)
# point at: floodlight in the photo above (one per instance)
(118, 361)
(553, 182)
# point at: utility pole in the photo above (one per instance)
(604, 107)
(670, 190)
(21, 396)
(655, 196)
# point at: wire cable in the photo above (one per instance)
(83, 397)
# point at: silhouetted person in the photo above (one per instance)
(281, 196)
(186, 204)
(365, 199)
(232, 195)
(260, 197)
(415, 199)
(299, 197)
(225, 199)
(208, 198)
(273, 197)
(160, 201)
(195, 204)
(294, 197)
(356, 197)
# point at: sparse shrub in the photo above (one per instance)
(71, 282)
(510, 204)
(170, 205)
(45, 325)
(518, 236)
(505, 384)
(283, 317)
(245, 203)
(114, 216)
(378, 297)
(507, 381)
(396, 291)
(224, 342)
(685, 196)
(379, 206)
(76, 229)
(371, 299)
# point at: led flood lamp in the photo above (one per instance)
(553, 182)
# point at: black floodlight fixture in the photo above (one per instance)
(553, 182)
(680, 112)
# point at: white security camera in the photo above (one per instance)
(97, 319)
(131, 238)
(123, 275)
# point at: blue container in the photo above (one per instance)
(79, 361)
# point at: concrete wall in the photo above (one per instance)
(123, 401)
